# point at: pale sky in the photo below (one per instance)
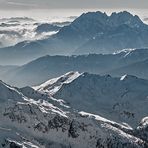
(49, 9)
(68, 4)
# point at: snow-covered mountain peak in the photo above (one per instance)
(103, 94)
(53, 85)
(132, 53)
(128, 77)
(127, 51)
(123, 77)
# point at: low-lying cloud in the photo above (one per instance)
(14, 30)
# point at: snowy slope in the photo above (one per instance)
(55, 84)
(121, 99)
(30, 123)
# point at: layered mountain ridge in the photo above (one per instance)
(46, 67)
(92, 32)
(117, 98)
(96, 98)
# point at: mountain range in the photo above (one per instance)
(80, 84)
(47, 67)
(38, 117)
(92, 32)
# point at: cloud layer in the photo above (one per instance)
(17, 29)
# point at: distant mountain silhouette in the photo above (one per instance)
(92, 32)
(47, 67)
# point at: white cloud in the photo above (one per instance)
(14, 30)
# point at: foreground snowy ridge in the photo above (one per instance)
(120, 99)
(31, 118)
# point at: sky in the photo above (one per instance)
(50, 9)
(72, 4)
